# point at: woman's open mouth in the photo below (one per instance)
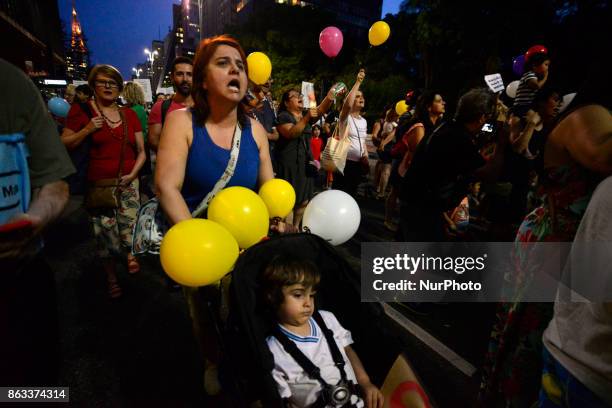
(234, 85)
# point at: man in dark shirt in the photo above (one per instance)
(445, 162)
(36, 196)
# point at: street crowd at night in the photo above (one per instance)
(196, 232)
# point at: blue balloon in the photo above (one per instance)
(518, 65)
(58, 106)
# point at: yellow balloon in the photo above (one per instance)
(279, 197)
(401, 107)
(379, 33)
(243, 213)
(198, 252)
(260, 67)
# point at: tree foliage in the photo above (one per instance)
(439, 44)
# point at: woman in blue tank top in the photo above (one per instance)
(194, 151)
(196, 143)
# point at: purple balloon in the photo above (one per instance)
(518, 63)
(330, 41)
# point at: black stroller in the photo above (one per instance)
(245, 372)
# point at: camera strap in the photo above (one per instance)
(313, 371)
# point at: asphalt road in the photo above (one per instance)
(139, 350)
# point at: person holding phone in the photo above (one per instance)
(33, 195)
(357, 164)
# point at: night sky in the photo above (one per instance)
(118, 31)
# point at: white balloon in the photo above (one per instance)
(333, 215)
(511, 89)
(567, 99)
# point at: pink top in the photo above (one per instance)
(155, 115)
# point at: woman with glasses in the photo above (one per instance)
(100, 127)
(293, 146)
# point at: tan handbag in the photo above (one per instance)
(105, 193)
(333, 157)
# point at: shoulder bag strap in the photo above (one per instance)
(226, 176)
(124, 141)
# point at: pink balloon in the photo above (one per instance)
(330, 41)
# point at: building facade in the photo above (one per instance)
(353, 17)
(32, 37)
(77, 55)
(181, 41)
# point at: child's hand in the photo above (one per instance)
(282, 227)
(372, 396)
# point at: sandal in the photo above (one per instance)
(114, 290)
(133, 265)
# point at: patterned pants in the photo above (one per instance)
(560, 389)
(113, 227)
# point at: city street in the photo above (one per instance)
(139, 350)
(250, 147)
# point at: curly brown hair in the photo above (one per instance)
(206, 49)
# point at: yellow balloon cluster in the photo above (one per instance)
(379, 33)
(242, 212)
(401, 107)
(198, 252)
(260, 67)
(279, 197)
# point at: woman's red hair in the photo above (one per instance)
(206, 49)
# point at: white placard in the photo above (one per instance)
(308, 95)
(146, 87)
(167, 91)
(77, 82)
(495, 82)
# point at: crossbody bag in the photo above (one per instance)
(151, 223)
(106, 193)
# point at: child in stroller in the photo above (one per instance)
(246, 372)
(315, 365)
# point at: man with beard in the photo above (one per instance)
(181, 76)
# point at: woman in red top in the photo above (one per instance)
(100, 129)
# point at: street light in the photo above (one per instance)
(151, 55)
(137, 72)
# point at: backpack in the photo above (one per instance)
(164, 110)
(443, 196)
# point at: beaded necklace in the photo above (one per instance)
(109, 121)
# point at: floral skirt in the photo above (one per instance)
(513, 363)
(113, 227)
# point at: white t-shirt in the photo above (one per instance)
(579, 335)
(292, 381)
(358, 132)
(388, 128)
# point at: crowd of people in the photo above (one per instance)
(498, 170)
